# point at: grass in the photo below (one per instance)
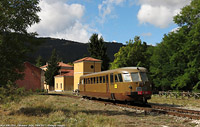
(56, 110)
(185, 102)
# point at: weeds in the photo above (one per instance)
(11, 92)
(57, 110)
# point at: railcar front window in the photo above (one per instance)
(126, 77)
(144, 76)
(135, 76)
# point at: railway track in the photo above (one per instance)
(185, 113)
(149, 108)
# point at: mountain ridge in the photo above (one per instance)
(68, 50)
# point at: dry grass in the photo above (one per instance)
(57, 110)
(185, 102)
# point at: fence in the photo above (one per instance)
(179, 94)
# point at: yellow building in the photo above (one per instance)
(85, 66)
(64, 82)
(66, 71)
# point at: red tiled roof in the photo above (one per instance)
(65, 70)
(61, 64)
(88, 59)
(69, 73)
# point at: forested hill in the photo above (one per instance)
(68, 50)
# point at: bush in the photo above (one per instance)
(39, 90)
(11, 92)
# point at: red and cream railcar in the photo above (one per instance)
(124, 84)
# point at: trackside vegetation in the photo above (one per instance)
(173, 63)
(48, 110)
(15, 42)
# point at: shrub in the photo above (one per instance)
(11, 92)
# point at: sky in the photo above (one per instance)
(114, 20)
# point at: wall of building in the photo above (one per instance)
(32, 77)
(78, 71)
(91, 67)
(83, 68)
(59, 83)
(68, 83)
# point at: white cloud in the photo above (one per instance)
(77, 32)
(59, 19)
(106, 8)
(159, 12)
(146, 34)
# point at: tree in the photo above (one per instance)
(175, 62)
(15, 17)
(52, 68)
(39, 61)
(98, 50)
(133, 54)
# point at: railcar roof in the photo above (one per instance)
(128, 69)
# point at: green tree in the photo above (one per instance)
(178, 67)
(15, 17)
(133, 54)
(39, 61)
(98, 50)
(52, 68)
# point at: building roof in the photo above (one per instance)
(88, 59)
(28, 64)
(69, 73)
(61, 64)
(44, 66)
(65, 70)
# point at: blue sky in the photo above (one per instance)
(115, 20)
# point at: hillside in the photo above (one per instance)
(68, 50)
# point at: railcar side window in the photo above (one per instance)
(111, 78)
(84, 81)
(91, 79)
(100, 79)
(126, 77)
(135, 76)
(143, 76)
(104, 79)
(97, 79)
(94, 80)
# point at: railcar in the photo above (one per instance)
(124, 84)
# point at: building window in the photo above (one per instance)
(61, 85)
(56, 85)
(91, 66)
